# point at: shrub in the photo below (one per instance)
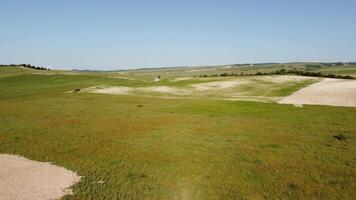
(340, 137)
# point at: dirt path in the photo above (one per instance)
(333, 92)
(21, 178)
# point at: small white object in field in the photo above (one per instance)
(298, 105)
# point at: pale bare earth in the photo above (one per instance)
(21, 178)
(218, 85)
(120, 90)
(332, 92)
(181, 79)
(113, 90)
(215, 85)
(122, 77)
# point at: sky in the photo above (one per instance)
(114, 34)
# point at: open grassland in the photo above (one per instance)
(138, 147)
(266, 88)
(252, 88)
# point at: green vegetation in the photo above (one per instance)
(137, 147)
(292, 71)
(338, 71)
(251, 69)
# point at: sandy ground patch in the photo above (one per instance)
(122, 77)
(162, 89)
(181, 79)
(21, 178)
(333, 92)
(113, 90)
(217, 85)
(120, 90)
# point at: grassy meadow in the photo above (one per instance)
(140, 146)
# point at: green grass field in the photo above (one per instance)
(147, 147)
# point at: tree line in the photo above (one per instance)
(25, 66)
(282, 72)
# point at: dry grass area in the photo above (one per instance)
(219, 85)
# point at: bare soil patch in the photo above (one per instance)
(163, 89)
(112, 90)
(122, 77)
(21, 178)
(333, 92)
(217, 85)
(120, 90)
(181, 79)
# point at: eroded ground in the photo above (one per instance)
(25, 179)
(332, 92)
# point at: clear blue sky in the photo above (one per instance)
(114, 34)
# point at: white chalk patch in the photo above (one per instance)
(21, 178)
(333, 92)
(122, 77)
(298, 105)
(118, 90)
(218, 85)
(181, 79)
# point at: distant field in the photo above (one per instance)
(12, 71)
(193, 146)
(241, 69)
(337, 70)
